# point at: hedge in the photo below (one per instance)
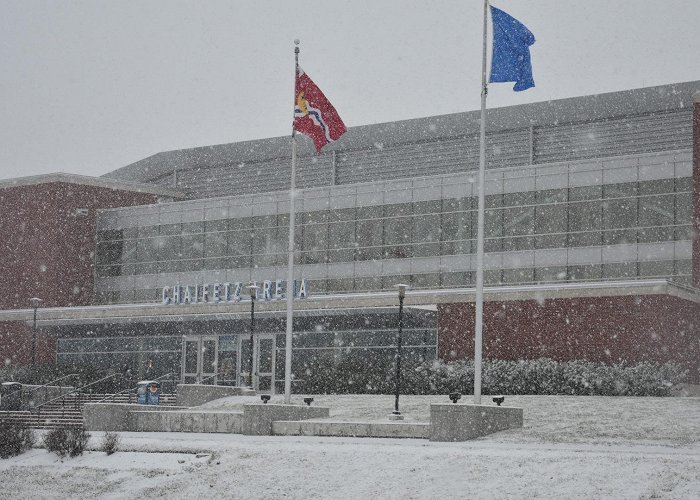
(539, 376)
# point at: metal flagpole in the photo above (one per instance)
(290, 253)
(478, 326)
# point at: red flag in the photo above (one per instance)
(314, 115)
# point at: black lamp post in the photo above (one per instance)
(253, 291)
(402, 293)
(35, 303)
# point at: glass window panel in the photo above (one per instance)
(193, 227)
(493, 224)
(549, 274)
(426, 235)
(216, 225)
(148, 231)
(170, 248)
(429, 280)
(457, 280)
(624, 270)
(147, 249)
(368, 284)
(657, 269)
(684, 269)
(427, 207)
(397, 233)
(493, 277)
(369, 233)
(551, 218)
(518, 221)
(129, 251)
(265, 247)
(315, 238)
(585, 222)
(458, 219)
(620, 212)
(170, 229)
(341, 236)
(340, 285)
(110, 235)
(241, 223)
(192, 246)
(585, 273)
(660, 186)
(130, 233)
(683, 211)
(656, 218)
(109, 252)
(525, 275)
(586, 193)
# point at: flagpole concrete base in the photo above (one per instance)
(462, 422)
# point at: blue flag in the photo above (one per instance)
(511, 51)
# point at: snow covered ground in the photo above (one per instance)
(577, 447)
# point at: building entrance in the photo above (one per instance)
(264, 379)
(200, 359)
(263, 362)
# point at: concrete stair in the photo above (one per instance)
(67, 412)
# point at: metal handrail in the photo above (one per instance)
(129, 389)
(22, 390)
(63, 396)
(209, 377)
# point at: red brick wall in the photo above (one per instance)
(49, 252)
(16, 345)
(608, 329)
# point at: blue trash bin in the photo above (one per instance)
(142, 391)
(153, 393)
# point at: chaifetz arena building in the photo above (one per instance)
(592, 207)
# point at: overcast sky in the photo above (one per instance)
(90, 86)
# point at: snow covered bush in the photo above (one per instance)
(369, 374)
(56, 441)
(15, 438)
(110, 442)
(62, 441)
(77, 441)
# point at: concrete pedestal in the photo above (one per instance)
(115, 416)
(198, 394)
(462, 422)
(258, 418)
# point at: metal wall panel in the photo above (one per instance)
(614, 137)
(629, 135)
(451, 155)
(265, 176)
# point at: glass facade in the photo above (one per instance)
(154, 350)
(591, 216)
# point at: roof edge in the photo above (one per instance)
(86, 180)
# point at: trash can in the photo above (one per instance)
(148, 392)
(10, 396)
(153, 393)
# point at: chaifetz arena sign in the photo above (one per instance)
(212, 293)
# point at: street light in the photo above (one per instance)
(253, 291)
(396, 414)
(35, 303)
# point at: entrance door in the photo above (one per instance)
(199, 360)
(264, 373)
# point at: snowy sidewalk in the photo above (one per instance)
(235, 466)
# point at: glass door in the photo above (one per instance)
(264, 369)
(199, 360)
